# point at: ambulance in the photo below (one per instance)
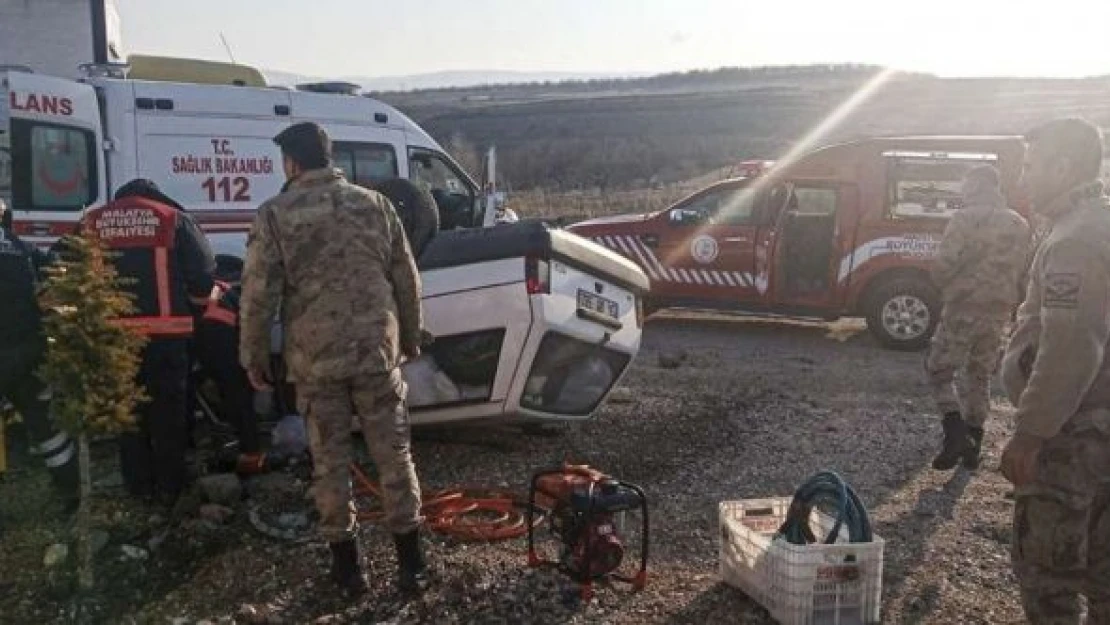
(532, 323)
(846, 230)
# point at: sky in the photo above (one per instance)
(329, 38)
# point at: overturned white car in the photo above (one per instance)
(531, 322)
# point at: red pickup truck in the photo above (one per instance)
(845, 230)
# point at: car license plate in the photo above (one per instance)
(598, 304)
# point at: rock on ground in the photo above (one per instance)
(223, 489)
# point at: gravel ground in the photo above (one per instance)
(752, 409)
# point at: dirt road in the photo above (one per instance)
(753, 409)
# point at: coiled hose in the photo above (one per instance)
(828, 489)
(466, 514)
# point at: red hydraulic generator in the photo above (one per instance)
(584, 504)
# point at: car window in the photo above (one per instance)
(433, 171)
(366, 164)
(61, 168)
(727, 206)
(453, 193)
(813, 201)
(928, 185)
(737, 207)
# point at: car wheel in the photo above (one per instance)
(903, 313)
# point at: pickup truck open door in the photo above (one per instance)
(809, 229)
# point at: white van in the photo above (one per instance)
(208, 146)
(531, 322)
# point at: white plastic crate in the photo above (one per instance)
(817, 584)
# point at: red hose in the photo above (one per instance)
(470, 514)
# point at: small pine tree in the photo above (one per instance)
(91, 363)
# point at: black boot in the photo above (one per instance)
(67, 484)
(971, 457)
(412, 570)
(957, 442)
(346, 567)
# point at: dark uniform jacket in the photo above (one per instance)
(20, 264)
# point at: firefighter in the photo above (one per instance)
(22, 347)
(1056, 371)
(979, 271)
(336, 257)
(169, 265)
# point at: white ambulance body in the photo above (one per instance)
(492, 296)
(208, 146)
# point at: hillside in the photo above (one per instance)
(631, 133)
(439, 80)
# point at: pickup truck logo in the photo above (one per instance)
(913, 246)
(704, 249)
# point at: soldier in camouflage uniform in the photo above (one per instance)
(336, 258)
(978, 270)
(1057, 373)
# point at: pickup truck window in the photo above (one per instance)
(59, 171)
(737, 207)
(453, 192)
(366, 164)
(928, 185)
(726, 206)
(813, 201)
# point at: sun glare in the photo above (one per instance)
(812, 139)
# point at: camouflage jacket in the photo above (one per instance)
(983, 257)
(335, 257)
(1055, 369)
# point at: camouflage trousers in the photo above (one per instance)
(1061, 534)
(379, 403)
(965, 344)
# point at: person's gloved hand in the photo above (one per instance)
(1019, 459)
(412, 351)
(261, 377)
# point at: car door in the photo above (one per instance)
(705, 247)
(811, 232)
(53, 167)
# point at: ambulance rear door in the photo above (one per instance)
(51, 156)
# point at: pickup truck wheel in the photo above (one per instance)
(903, 313)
